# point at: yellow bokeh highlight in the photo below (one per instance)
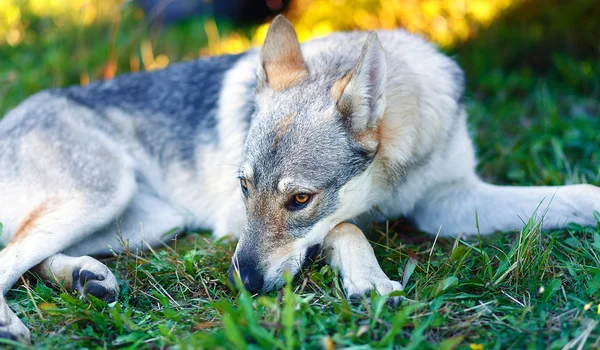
(82, 12)
(78, 13)
(445, 22)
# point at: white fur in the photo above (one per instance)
(216, 199)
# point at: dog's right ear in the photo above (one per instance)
(281, 61)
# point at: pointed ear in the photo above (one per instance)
(281, 60)
(361, 95)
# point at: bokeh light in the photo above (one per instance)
(445, 22)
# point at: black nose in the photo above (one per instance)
(251, 278)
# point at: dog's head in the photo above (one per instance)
(308, 154)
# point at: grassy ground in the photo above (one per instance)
(527, 289)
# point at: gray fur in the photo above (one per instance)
(175, 108)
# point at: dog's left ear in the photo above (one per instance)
(361, 93)
(281, 60)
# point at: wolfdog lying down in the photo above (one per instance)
(279, 147)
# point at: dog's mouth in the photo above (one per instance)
(312, 253)
(291, 265)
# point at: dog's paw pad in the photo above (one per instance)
(100, 283)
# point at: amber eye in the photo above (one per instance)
(299, 201)
(301, 198)
(244, 185)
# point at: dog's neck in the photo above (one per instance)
(400, 131)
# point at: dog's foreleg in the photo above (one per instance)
(347, 248)
(44, 235)
(48, 228)
(471, 207)
(83, 274)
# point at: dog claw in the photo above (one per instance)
(356, 289)
(11, 326)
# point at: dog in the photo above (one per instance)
(283, 147)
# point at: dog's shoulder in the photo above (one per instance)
(179, 88)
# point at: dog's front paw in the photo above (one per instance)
(356, 287)
(94, 278)
(10, 326)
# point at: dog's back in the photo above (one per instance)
(168, 112)
(171, 111)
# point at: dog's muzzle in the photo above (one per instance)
(252, 278)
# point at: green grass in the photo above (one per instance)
(527, 289)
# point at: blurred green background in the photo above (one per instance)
(52, 43)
